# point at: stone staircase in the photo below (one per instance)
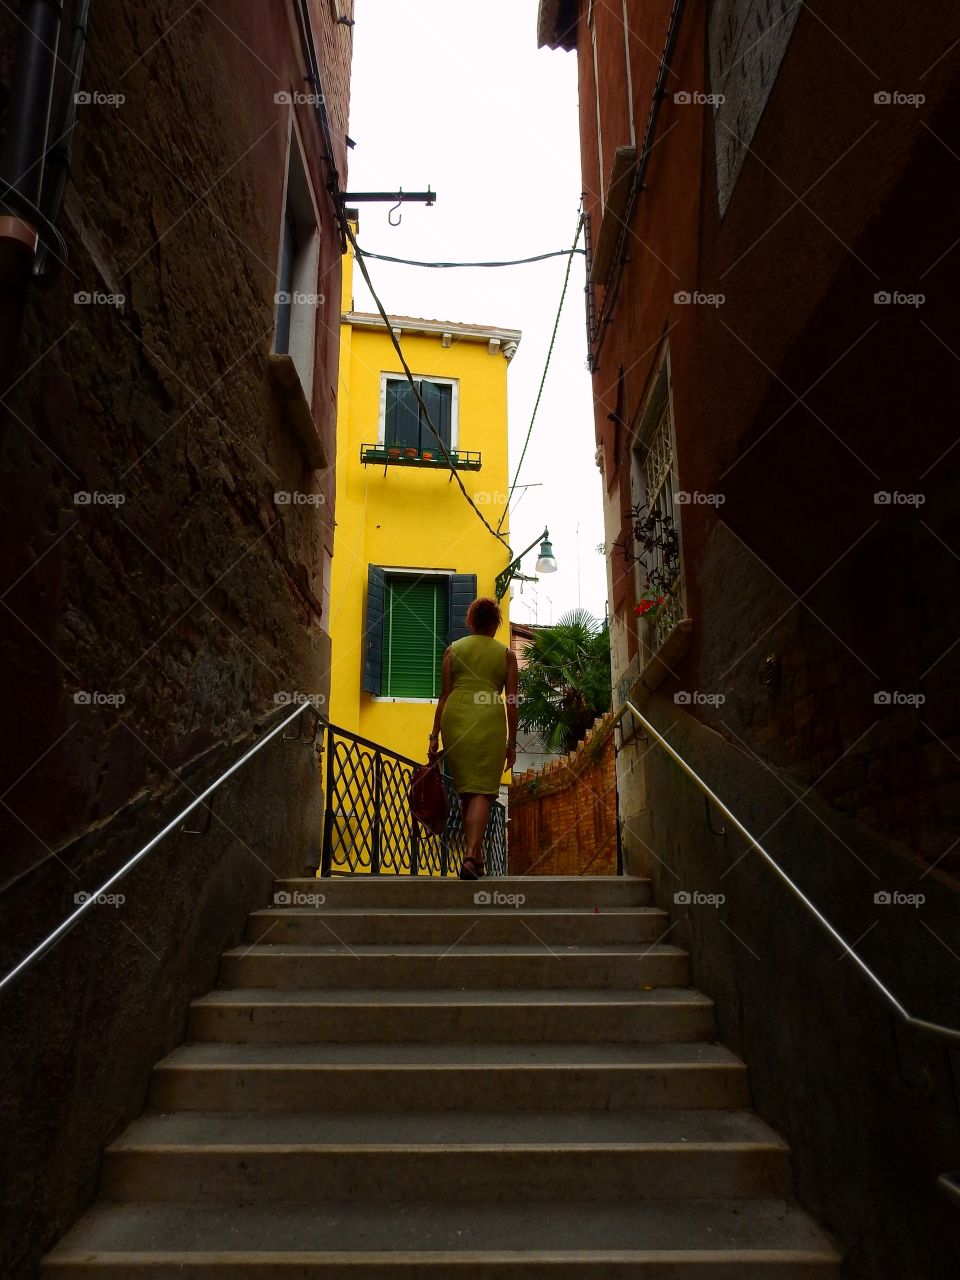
(403, 1082)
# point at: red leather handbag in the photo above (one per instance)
(428, 797)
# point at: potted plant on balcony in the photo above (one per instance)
(410, 452)
(427, 455)
(393, 452)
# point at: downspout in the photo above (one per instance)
(28, 238)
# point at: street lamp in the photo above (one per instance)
(545, 564)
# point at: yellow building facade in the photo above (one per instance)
(409, 553)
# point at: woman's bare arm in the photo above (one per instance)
(513, 708)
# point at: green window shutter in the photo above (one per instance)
(401, 415)
(373, 638)
(462, 589)
(415, 636)
(438, 398)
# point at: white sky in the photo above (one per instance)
(457, 96)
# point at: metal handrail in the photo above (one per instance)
(921, 1025)
(91, 900)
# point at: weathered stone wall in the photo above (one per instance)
(563, 818)
(147, 637)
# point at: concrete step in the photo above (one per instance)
(588, 1240)
(426, 892)
(448, 926)
(342, 965)
(498, 1156)
(258, 1015)
(398, 1077)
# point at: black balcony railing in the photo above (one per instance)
(368, 827)
(397, 456)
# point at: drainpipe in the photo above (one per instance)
(21, 167)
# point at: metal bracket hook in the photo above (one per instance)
(392, 211)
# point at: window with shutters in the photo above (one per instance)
(411, 616)
(414, 636)
(403, 423)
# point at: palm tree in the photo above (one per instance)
(565, 683)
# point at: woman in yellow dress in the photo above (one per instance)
(479, 743)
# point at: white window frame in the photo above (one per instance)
(656, 415)
(421, 377)
(299, 194)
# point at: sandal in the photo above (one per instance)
(472, 873)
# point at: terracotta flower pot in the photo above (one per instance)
(427, 455)
(394, 453)
(410, 453)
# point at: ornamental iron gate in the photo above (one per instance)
(368, 827)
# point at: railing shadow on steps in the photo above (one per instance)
(948, 1184)
(356, 771)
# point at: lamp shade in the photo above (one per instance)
(545, 560)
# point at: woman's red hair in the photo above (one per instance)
(483, 613)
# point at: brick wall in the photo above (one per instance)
(563, 818)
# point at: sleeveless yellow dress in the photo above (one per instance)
(474, 726)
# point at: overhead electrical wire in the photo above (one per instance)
(510, 262)
(553, 339)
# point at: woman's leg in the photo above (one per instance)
(476, 812)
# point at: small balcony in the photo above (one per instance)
(398, 456)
